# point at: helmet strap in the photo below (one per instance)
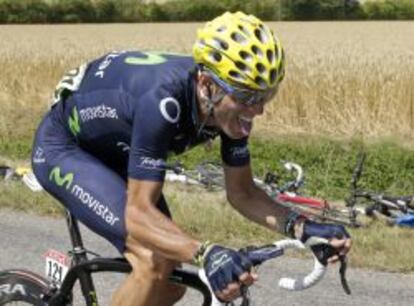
(211, 102)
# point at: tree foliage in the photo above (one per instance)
(73, 11)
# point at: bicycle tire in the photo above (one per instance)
(328, 214)
(22, 287)
(340, 217)
(211, 175)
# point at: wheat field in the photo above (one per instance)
(344, 79)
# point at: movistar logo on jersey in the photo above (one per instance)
(73, 122)
(98, 112)
(100, 209)
(60, 180)
(84, 196)
(150, 58)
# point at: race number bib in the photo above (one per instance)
(57, 266)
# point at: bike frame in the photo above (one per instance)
(82, 269)
(379, 202)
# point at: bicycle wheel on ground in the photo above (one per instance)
(327, 214)
(347, 217)
(211, 175)
(21, 287)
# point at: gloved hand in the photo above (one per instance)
(339, 240)
(227, 269)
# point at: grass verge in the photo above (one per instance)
(328, 165)
(206, 215)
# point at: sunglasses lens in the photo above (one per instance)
(248, 97)
(244, 97)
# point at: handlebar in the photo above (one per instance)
(271, 179)
(259, 255)
(298, 182)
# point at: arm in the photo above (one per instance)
(256, 205)
(251, 201)
(146, 225)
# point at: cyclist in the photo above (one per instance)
(102, 149)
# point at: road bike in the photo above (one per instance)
(211, 176)
(23, 287)
(374, 204)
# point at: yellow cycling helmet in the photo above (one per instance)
(241, 50)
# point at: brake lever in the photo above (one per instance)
(323, 252)
(245, 295)
(342, 273)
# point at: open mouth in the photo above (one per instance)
(245, 125)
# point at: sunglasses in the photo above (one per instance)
(245, 96)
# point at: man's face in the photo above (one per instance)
(235, 118)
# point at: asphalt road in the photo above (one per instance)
(24, 239)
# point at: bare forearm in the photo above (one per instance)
(257, 206)
(148, 226)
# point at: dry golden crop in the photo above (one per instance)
(343, 78)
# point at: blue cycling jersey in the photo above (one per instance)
(116, 117)
(134, 109)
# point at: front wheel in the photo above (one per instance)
(21, 287)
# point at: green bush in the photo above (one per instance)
(73, 11)
(36, 11)
(12, 11)
(389, 9)
(42, 11)
(107, 11)
(155, 13)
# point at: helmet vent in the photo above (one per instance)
(276, 52)
(243, 29)
(235, 75)
(241, 66)
(201, 43)
(256, 50)
(260, 35)
(221, 28)
(270, 57)
(237, 37)
(260, 67)
(220, 44)
(246, 56)
(272, 75)
(261, 82)
(215, 56)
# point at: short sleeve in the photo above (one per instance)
(234, 152)
(154, 126)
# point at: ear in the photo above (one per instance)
(204, 83)
(204, 79)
